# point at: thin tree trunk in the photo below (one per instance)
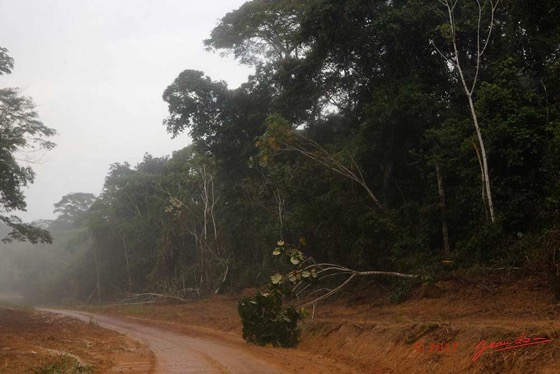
(485, 172)
(456, 62)
(214, 200)
(443, 209)
(483, 189)
(127, 264)
(97, 273)
(91, 295)
(279, 209)
(223, 280)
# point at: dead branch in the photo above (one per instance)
(326, 270)
(151, 297)
(314, 151)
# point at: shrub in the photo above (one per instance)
(265, 321)
(63, 364)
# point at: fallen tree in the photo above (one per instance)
(266, 321)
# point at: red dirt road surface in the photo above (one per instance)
(205, 351)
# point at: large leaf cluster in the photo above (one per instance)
(265, 321)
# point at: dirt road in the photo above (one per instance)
(195, 350)
(178, 353)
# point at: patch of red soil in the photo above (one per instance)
(32, 342)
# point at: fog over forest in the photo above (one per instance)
(96, 70)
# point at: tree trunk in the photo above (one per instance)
(456, 62)
(97, 273)
(443, 210)
(485, 172)
(127, 264)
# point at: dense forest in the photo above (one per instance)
(393, 135)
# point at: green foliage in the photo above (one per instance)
(20, 131)
(65, 364)
(266, 322)
(195, 102)
(481, 246)
(278, 133)
(73, 207)
(260, 31)
(401, 290)
(23, 231)
(6, 62)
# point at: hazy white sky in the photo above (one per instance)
(96, 70)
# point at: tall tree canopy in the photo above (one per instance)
(21, 134)
(261, 31)
(73, 207)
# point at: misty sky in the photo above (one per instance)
(96, 70)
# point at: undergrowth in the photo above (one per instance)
(65, 364)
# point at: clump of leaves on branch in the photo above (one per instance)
(264, 319)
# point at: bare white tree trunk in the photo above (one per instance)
(485, 172)
(455, 61)
(483, 189)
